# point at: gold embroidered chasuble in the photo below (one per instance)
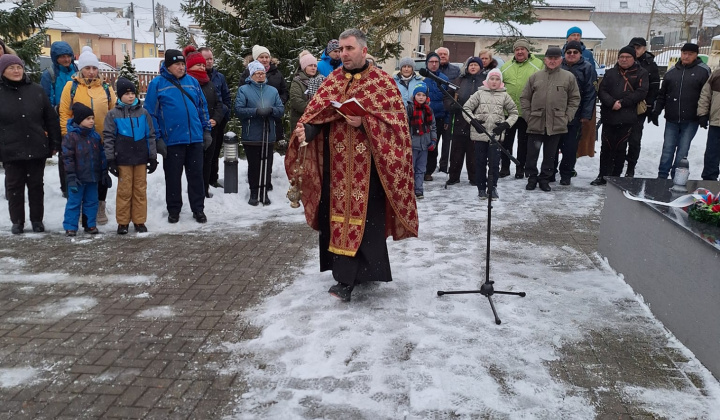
(386, 140)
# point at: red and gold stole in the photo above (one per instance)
(386, 140)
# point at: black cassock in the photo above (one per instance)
(371, 262)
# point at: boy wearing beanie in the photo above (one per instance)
(131, 154)
(86, 168)
(423, 133)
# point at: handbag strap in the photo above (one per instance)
(177, 85)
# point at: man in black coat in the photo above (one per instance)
(679, 96)
(646, 60)
(622, 88)
(586, 77)
(223, 91)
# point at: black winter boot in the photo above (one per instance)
(253, 201)
(532, 183)
(341, 291)
(545, 185)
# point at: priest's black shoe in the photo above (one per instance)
(341, 292)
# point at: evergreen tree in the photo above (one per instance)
(127, 70)
(184, 37)
(21, 29)
(285, 27)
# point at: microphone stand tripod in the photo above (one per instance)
(487, 289)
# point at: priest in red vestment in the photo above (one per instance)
(355, 172)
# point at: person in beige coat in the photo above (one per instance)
(709, 114)
(549, 102)
(495, 110)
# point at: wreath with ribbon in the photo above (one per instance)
(706, 207)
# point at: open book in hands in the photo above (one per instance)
(351, 107)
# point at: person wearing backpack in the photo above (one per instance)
(53, 81)
(88, 88)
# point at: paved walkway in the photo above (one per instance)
(127, 327)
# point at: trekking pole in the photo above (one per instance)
(452, 129)
(263, 160)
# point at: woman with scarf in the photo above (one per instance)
(463, 148)
(407, 79)
(257, 104)
(304, 85)
(273, 78)
(88, 88)
(196, 68)
(30, 134)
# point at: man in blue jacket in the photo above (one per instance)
(432, 62)
(53, 80)
(586, 77)
(182, 128)
(575, 34)
(223, 92)
(330, 59)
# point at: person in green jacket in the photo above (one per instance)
(516, 74)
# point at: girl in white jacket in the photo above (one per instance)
(492, 107)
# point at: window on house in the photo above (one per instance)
(88, 42)
(623, 5)
(48, 41)
(123, 47)
(152, 52)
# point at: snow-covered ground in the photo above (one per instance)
(398, 350)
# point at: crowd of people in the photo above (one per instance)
(187, 108)
(554, 98)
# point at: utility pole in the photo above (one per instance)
(163, 29)
(155, 54)
(132, 31)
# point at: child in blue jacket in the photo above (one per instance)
(85, 166)
(423, 132)
(131, 154)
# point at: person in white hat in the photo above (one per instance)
(90, 89)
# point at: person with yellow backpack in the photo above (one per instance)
(88, 88)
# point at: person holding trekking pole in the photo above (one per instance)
(256, 103)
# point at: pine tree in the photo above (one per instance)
(21, 29)
(285, 27)
(184, 37)
(127, 70)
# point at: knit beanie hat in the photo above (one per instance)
(494, 72)
(690, 47)
(573, 30)
(573, 45)
(627, 50)
(521, 43)
(254, 67)
(257, 50)
(87, 58)
(431, 55)
(306, 59)
(420, 87)
(332, 45)
(475, 60)
(407, 61)
(124, 86)
(172, 57)
(194, 58)
(80, 112)
(7, 60)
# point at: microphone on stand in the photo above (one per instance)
(439, 81)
